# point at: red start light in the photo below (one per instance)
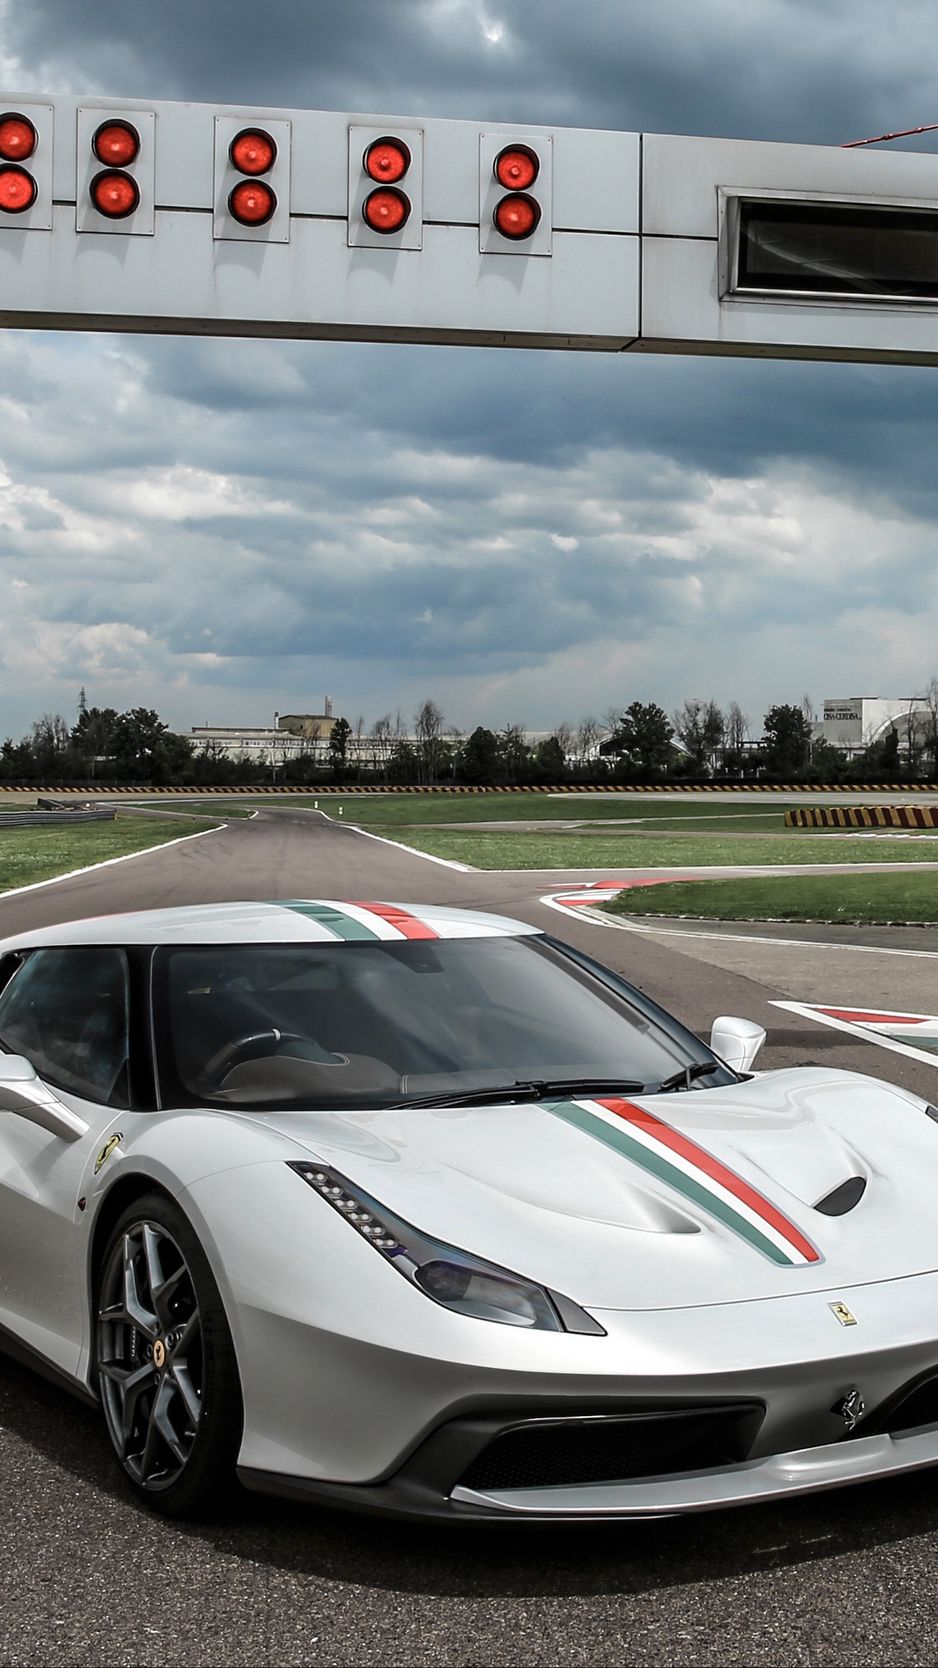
(516, 168)
(252, 203)
(252, 151)
(387, 160)
(517, 216)
(114, 195)
(18, 138)
(18, 190)
(116, 143)
(386, 210)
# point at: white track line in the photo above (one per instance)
(446, 862)
(584, 913)
(806, 1012)
(108, 863)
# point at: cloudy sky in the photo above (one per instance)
(220, 530)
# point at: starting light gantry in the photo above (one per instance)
(199, 219)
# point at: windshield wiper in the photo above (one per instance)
(687, 1075)
(541, 1089)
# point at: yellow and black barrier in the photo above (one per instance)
(197, 790)
(862, 816)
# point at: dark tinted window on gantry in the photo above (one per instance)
(838, 249)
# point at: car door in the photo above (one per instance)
(67, 1011)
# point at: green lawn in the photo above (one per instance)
(385, 813)
(30, 854)
(226, 808)
(484, 849)
(851, 899)
(403, 810)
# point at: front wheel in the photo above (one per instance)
(165, 1362)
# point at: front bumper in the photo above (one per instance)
(421, 1489)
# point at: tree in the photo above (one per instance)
(930, 727)
(50, 745)
(714, 734)
(564, 735)
(93, 739)
(338, 746)
(586, 745)
(16, 760)
(428, 734)
(879, 762)
(828, 763)
(145, 749)
(480, 757)
(548, 760)
(381, 745)
(785, 742)
(689, 729)
(513, 752)
(404, 765)
(642, 740)
(912, 739)
(736, 738)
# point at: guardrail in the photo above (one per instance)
(46, 819)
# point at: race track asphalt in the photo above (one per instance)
(88, 1578)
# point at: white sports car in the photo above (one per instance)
(420, 1211)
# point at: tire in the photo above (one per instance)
(165, 1365)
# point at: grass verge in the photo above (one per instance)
(385, 812)
(31, 854)
(855, 900)
(484, 849)
(418, 810)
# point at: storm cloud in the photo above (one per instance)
(218, 529)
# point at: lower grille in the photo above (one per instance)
(615, 1448)
(915, 1404)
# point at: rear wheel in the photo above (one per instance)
(165, 1362)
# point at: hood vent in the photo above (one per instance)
(843, 1198)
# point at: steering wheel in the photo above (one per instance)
(248, 1047)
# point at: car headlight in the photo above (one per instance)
(456, 1279)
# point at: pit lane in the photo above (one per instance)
(90, 1578)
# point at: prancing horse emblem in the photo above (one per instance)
(851, 1408)
(845, 1316)
(106, 1151)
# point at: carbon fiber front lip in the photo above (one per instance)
(800, 1472)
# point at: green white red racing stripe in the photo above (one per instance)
(672, 1157)
(360, 920)
(406, 924)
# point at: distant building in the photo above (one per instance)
(854, 722)
(292, 735)
(313, 726)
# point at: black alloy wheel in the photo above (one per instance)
(164, 1361)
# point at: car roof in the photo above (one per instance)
(280, 921)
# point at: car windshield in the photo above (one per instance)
(369, 1025)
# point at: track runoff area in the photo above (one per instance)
(277, 1584)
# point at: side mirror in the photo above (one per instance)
(23, 1093)
(737, 1041)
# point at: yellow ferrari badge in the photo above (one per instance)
(845, 1316)
(106, 1151)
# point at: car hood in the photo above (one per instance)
(661, 1201)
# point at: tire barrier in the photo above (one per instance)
(862, 816)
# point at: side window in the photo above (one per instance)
(67, 1012)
